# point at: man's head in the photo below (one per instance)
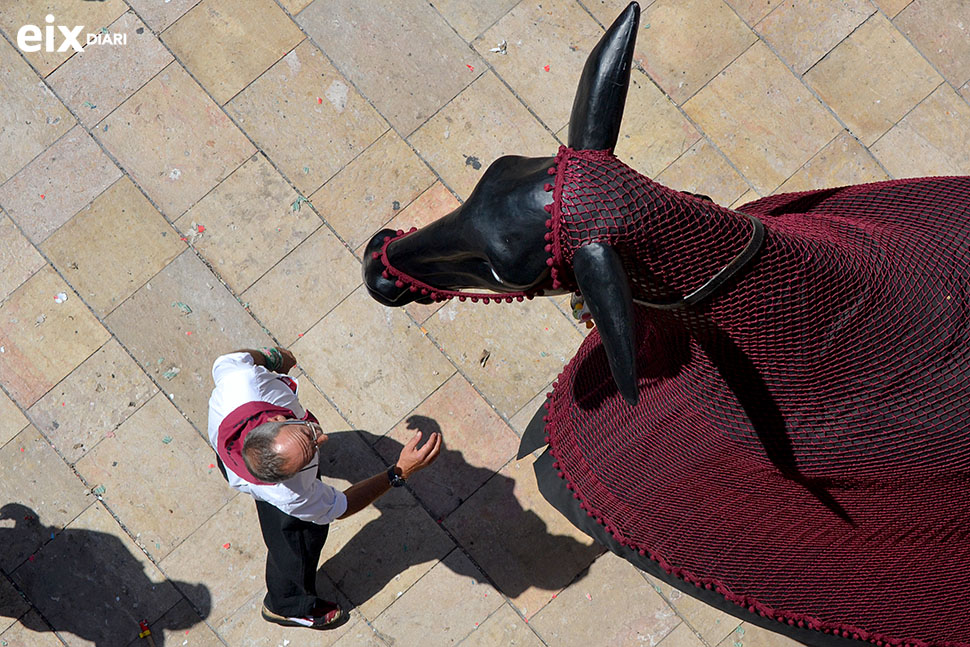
(280, 447)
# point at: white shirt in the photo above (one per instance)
(238, 380)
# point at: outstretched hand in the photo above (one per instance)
(414, 459)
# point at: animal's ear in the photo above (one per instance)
(606, 292)
(598, 107)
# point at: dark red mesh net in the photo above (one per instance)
(801, 441)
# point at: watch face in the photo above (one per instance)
(393, 477)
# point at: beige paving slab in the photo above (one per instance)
(307, 117)
(59, 182)
(372, 189)
(940, 29)
(378, 553)
(18, 258)
(802, 33)
(12, 419)
(13, 604)
(174, 141)
(113, 246)
(431, 205)
(32, 118)
(711, 624)
(403, 56)
(892, 7)
(176, 347)
(471, 19)
(703, 169)
(304, 286)
(873, 78)
(765, 121)
(83, 84)
(547, 45)
(504, 627)
(314, 401)
(171, 629)
(39, 495)
(596, 609)
(295, 6)
(527, 344)
(360, 634)
(933, 139)
(751, 11)
(91, 16)
(843, 161)
(393, 366)
(245, 628)
(155, 441)
(523, 416)
(689, 43)
(30, 631)
(682, 636)
(247, 223)
(480, 125)
(443, 607)
(753, 636)
(749, 196)
(225, 49)
(44, 340)
(477, 443)
(653, 133)
(159, 15)
(527, 548)
(109, 589)
(92, 401)
(227, 553)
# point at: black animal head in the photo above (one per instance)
(497, 239)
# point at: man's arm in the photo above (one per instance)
(362, 494)
(261, 358)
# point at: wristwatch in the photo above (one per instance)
(393, 477)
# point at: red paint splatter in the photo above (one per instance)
(188, 333)
(546, 68)
(226, 545)
(184, 239)
(42, 196)
(469, 67)
(200, 228)
(21, 449)
(319, 100)
(211, 465)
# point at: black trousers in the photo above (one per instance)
(293, 552)
(293, 548)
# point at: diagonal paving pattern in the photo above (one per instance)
(209, 185)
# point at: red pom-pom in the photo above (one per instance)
(547, 187)
(400, 232)
(399, 283)
(424, 290)
(519, 298)
(461, 298)
(375, 255)
(548, 208)
(549, 262)
(485, 300)
(413, 288)
(385, 274)
(552, 171)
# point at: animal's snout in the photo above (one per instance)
(384, 290)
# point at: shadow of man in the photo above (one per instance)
(88, 583)
(477, 505)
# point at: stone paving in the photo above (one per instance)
(209, 183)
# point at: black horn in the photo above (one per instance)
(606, 292)
(598, 107)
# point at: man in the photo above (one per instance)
(268, 447)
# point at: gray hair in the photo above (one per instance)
(260, 455)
